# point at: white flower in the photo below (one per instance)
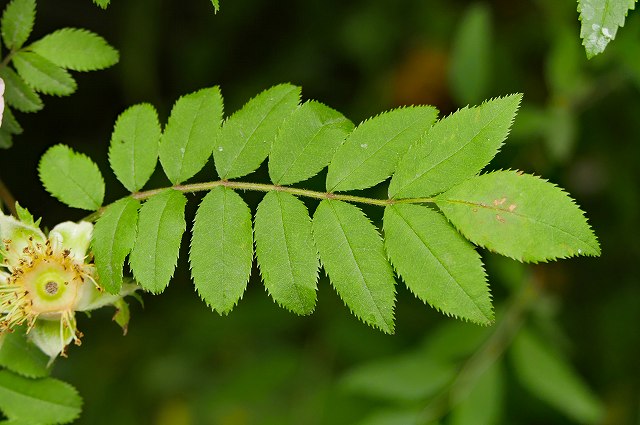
(1, 99)
(45, 280)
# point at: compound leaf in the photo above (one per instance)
(456, 148)
(246, 136)
(17, 22)
(43, 75)
(72, 178)
(285, 251)
(600, 22)
(161, 224)
(353, 256)
(221, 249)
(114, 235)
(553, 380)
(44, 401)
(520, 216)
(372, 151)
(307, 141)
(436, 263)
(17, 93)
(133, 152)
(76, 49)
(21, 356)
(187, 141)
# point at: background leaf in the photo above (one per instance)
(133, 152)
(187, 140)
(21, 356)
(436, 263)
(483, 404)
(17, 22)
(114, 235)
(221, 249)
(472, 48)
(353, 256)
(17, 93)
(246, 137)
(307, 141)
(9, 122)
(553, 380)
(372, 151)
(72, 178)
(285, 251)
(76, 49)
(42, 75)
(161, 224)
(43, 401)
(520, 216)
(600, 22)
(102, 3)
(456, 148)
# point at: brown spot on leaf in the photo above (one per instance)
(497, 202)
(512, 207)
(499, 218)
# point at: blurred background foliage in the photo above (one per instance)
(566, 344)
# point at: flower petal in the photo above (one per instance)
(15, 237)
(72, 236)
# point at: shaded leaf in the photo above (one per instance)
(456, 148)
(285, 251)
(114, 236)
(353, 256)
(9, 122)
(17, 22)
(21, 356)
(483, 404)
(600, 21)
(188, 138)
(72, 178)
(520, 216)
(436, 263)
(42, 75)
(307, 141)
(553, 380)
(246, 136)
(221, 249)
(133, 152)
(17, 93)
(6, 139)
(372, 151)
(161, 224)
(42, 401)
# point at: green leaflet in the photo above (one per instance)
(456, 148)
(221, 249)
(246, 136)
(393, 416)
(353, 256)
(21, 356)
(187, 140)
(114, 236)
(472, 51)
(17, 22)
(307, 141)
(17, 93)
(161, 224)
(372, 151)
(408, 377)
(436, 263)
(72, 178)
(216, 5)
(102, 3)
(42, 75)
(76, 49)
(520, 216)
(133, 152)
(9, 122)
(600, 22)
(484, 403)
(6, 139)
(553, 380)
(285, 251)
(38, 401)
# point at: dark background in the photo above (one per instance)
(180, 363)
